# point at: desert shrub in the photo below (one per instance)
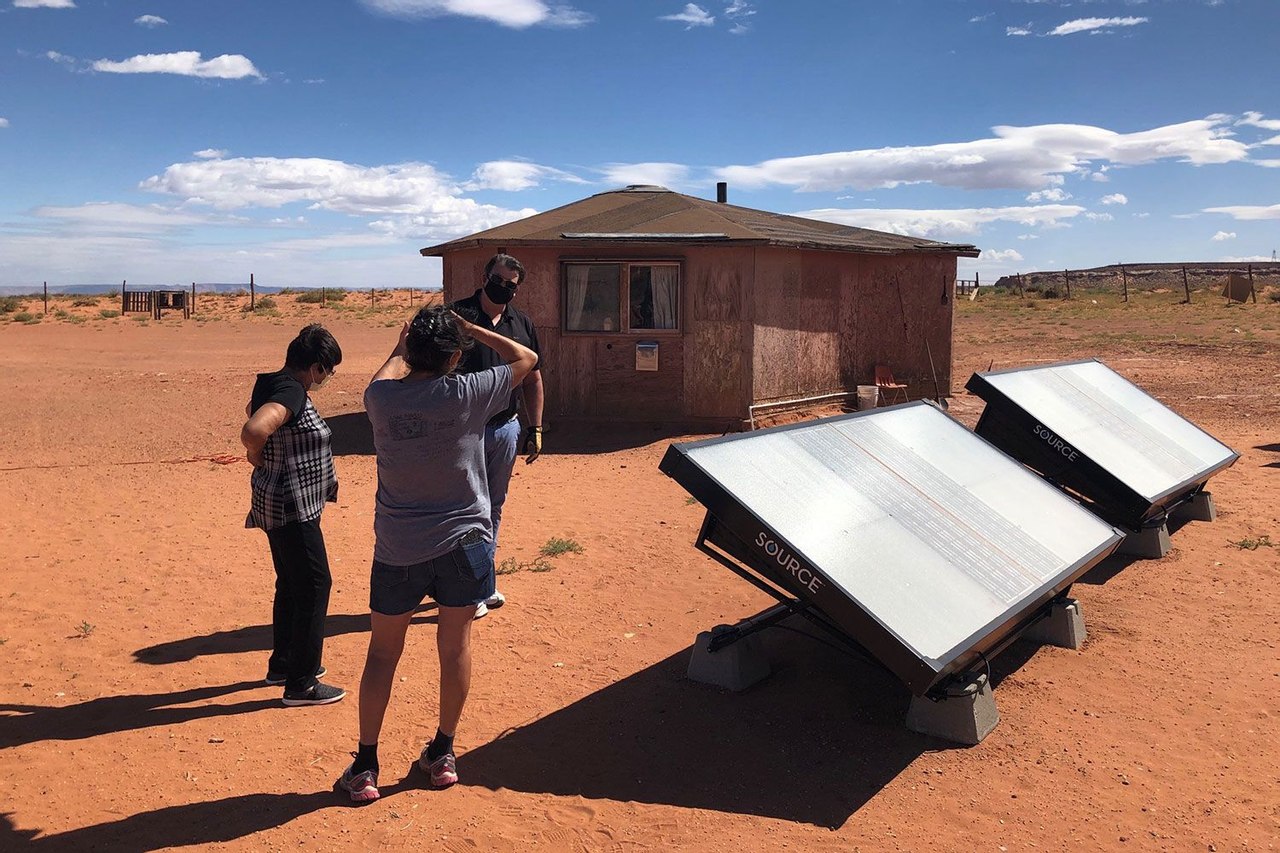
(9, 304)
(84, 301)
(316, 296)
(115, 294)
(240, 292)
(262, 305)
(285, 291)
(108, 313)
(1049, 293)
(62, 314)
(25, 317)
(1274, 296)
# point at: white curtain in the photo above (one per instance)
(664, 281)
(577, 296)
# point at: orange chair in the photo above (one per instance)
(889, 389)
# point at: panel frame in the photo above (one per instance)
(921, 676)
(1010, 427)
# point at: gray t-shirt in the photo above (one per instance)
(429, 437)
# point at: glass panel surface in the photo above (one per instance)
(929, 529)
(1115, 423)
(591, 297)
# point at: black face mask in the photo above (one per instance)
(498, 290)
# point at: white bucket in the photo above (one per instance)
(868, 397)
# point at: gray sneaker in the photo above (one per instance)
(318, 694)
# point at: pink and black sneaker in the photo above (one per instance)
(361, 787)
(443, 771)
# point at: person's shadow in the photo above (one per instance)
(352, 434)
(21, 724)
(254, 638)
(187, 825)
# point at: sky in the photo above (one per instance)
(323, 142)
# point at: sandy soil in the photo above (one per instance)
(136, 612)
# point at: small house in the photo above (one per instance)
(658, 307)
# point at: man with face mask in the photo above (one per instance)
(490, 307)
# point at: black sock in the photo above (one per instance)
(440, 745)
(366, 759)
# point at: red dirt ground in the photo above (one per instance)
(136, 611)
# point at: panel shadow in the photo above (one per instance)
(812, 743)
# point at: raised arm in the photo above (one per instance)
(394, 367)
(521, 359)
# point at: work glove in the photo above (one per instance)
(531, 443)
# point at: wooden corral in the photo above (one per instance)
(761, 324)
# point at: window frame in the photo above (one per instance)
(624, 295)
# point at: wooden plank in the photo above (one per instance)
(714, 365)
(623, 391)
(569, 372)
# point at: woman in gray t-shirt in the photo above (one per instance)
(431, 520)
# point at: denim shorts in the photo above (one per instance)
(459, 578)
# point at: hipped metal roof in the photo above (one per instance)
(649, 214)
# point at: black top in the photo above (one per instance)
(279, 387)
(513, 324)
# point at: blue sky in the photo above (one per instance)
(326, 141)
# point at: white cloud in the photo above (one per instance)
(693, 15)
(114, 217)
(44, 4)
(1246, 213)
(1142, 215)
(1255, 119)
(517, 14)
(1099, 217)
(1017, 31)
(738, 9)
(1084, 25)
(1054, 194)
(1245, 259)
(1223, 236)
(515, 175)
(187, 63)
(659, 174)
(977, 19)
(1016, 157)
(60, 58)
(950, 223)
(1115, 198)
(4, 122)
(150, 21)
(414, 199)
(1028, 236)
(210, 153)
(997, 255)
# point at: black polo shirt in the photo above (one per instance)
(513, 324)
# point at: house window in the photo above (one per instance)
(621, 297)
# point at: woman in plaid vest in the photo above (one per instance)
(287, 442)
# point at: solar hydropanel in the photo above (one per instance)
(1087, 427)
(915, 537)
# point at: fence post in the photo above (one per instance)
(193, 297)
(46, 297)
(1186, 287)
(1066, 276)
(253, 297)
(373, 299)
(124, 296)
(1125, 277)
(323, 297)
(976, 281)
(1252, 292)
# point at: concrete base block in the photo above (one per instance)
(1064, 626)
(966, 715)
(737, 666)
(1152, 542)
(1199, 508)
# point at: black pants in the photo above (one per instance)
(302, 601)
